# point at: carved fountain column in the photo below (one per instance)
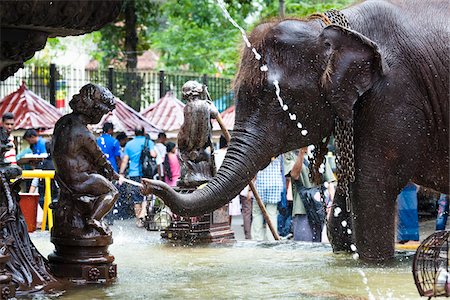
(7, 288)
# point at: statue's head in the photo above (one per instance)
(93, 101)
(193, 90)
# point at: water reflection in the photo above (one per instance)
(150, 268)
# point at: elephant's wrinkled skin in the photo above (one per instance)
(390, 75)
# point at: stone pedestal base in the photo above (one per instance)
(83, 261)
(209, 228)
(7, 288)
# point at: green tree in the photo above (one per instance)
(197, 37)
(295, 8)
(127, 37)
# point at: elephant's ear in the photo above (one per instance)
(354, 64)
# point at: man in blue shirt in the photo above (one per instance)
(37, 143)
(110, 146)
(133, 150)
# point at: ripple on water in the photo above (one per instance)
(149, 268)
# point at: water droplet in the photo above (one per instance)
(349, 231)
(365, 280)
(285, 107)
(293, 117)
(299, 125)
(264, 68)
(304, 132)
(337, 211)
(355, 256)
(344, 223)
(353, 247)
(257, 55)
(326, 184)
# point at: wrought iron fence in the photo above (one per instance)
(137, 88)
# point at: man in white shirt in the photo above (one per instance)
(160, 147)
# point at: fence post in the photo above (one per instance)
(53, 84)
(162, 91)
(205, 79)
(111, 79)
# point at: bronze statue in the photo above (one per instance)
(83, 174)
(194, 137)
(82, 171)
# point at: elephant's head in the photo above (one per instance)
(321, 73)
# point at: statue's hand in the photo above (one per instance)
(116, 176)
(147, 188)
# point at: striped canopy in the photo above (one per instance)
(166, 113)
(30, 110)
(228, 116)
(126, 119)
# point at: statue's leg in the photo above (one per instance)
(105, 195)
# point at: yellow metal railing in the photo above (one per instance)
(47, 175)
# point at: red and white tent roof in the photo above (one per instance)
(228, 116)
(126, 119)
(166, 113)
(30, 110)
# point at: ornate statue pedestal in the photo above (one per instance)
(7, 288)
(209, 228)
(83, 261)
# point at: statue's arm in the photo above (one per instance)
(103, 165)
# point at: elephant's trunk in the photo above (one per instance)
(242, 161)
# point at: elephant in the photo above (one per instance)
(386, 74)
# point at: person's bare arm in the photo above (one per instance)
(297, 168)
(124, 164)
(118, 161)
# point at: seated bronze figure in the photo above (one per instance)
(82, 171)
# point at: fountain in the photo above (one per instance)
(25, 27)
(177, 272)
(198, 168)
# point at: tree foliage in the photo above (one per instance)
(193, 35)
(295, 8)
(110, 39)
(197, 37)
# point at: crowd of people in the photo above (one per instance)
(297, 205)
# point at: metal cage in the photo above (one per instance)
(431, 266)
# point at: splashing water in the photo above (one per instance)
(263, 68)
(244, 35)
(337, 211)
(132, 182)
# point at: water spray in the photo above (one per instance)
(263, 68)
(132, 182)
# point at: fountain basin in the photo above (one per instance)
(151, 268)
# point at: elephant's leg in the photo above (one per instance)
(374, 212)
(339, 225)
